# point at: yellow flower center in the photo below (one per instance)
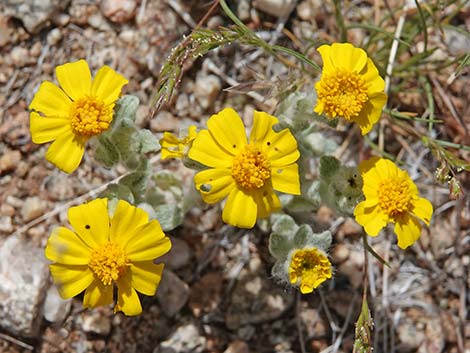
(342, 94)
(311, 266)
(394, 195)
(90, 116)
(108, 263)
(250, 168)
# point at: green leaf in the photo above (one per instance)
(137, 183)
(148, 141)
(329, 166)
(303, 235)
(126, 109)
(167, 180)
(169, 216)
(118, 191)
(285, 225)
(106, 152)
(279, 245)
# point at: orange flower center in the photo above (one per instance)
(394, 195)
(250, 168)
(108, 263)
(311, 266)
(90, 116)
(342, 94)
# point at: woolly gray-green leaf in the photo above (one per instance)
(285, 225)
(137, 183)
(329, 166)
(148, 142)
(126, 109)
(302, 236)
(106, 152)
(279, 245)
(169, 216)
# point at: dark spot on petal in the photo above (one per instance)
(234, 146)
(279, 171)
(87, 226)
(205, 187)
(268, 143)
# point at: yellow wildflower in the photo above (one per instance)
(309, 268)
(248, 173)
(174, 147)
(350, 86)
(391, 196)
(103, 251)
(74, 113)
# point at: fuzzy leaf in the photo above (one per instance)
(279, 245)
(329, 166)
(285, 225)
(106, 152)
(126, 109)
(148, 142)
(169, 216)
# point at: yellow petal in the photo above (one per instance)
(91, 222)
(128, 300)
(325, 52)
(262, 128)
(50, 100)
(371, 112)
(227, 129)
(125, 221)
(286, 179)
(408, 230)
(371, 76)
(97, 294)
(66, 152)
(240, 209)
(107, 84)
(267, 202)
(214, 184)
(65, 247)
(74, 78)
(207, 151)
(281, 149)
(306, 288)
(146, 276)
(45, 129)
(345, 56)
(71, 280)
(422, 209)
(147, 242)
(371, 218)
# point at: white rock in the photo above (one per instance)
(23, 283)
(33, 207)
(54, 36)
(56, 308)
(118, 11)
(185, 339)
(206, 89)
(278, 8)
(96, 322)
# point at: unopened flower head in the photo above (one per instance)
(350, 86)
(246, 172)
(174, 147)
(102, 252)
(308, 268)
(391, 196)
(70, 115)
